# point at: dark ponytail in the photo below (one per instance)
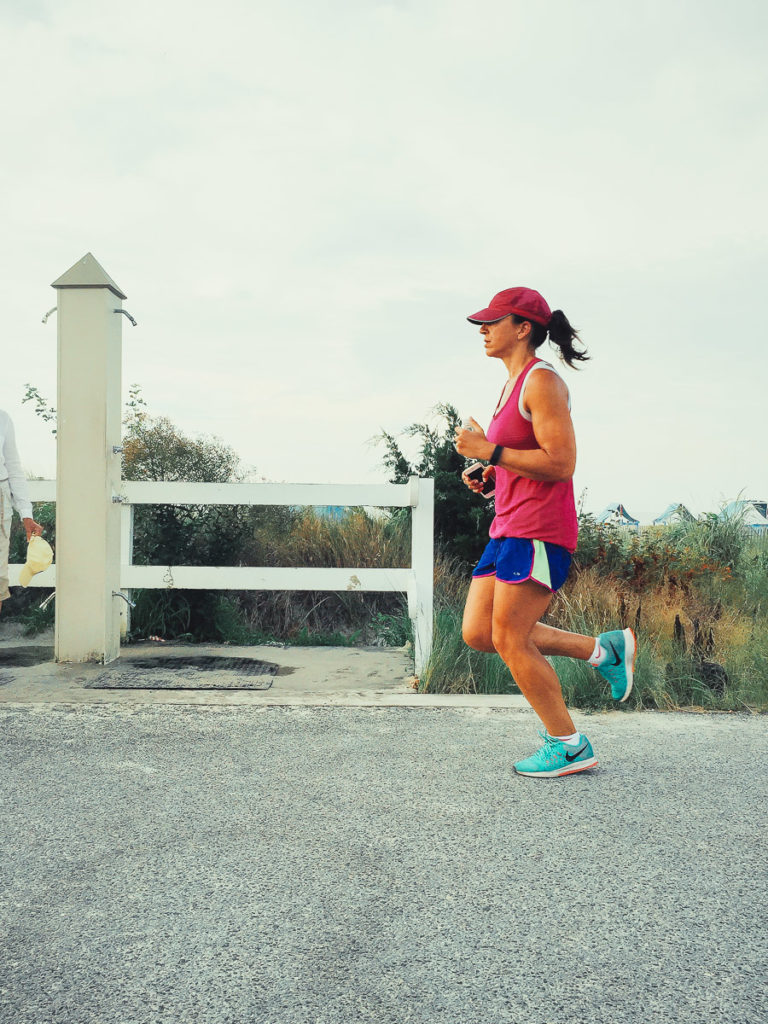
(561, 335)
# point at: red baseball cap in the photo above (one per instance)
(522, 301)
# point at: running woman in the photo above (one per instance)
(531, 451)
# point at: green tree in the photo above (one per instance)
(462, 518)
(155, 449)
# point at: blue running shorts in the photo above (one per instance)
(517, 559)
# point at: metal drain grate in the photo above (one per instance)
(206, 672)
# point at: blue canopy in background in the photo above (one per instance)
(674, 513)
(617, 514)
(751, 513)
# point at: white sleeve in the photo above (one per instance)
(17, 479)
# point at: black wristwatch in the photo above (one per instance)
(496, 454)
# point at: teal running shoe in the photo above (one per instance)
(558, 758)
(619, 667)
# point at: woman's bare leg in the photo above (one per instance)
(517, 609)
(477, 626)
(551, 641)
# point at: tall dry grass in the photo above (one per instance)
(696, 596)
(357, 539)
(286, 537)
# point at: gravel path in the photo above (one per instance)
(327, 865)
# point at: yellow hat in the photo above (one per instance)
(39, 557)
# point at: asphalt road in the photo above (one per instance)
(326, 865)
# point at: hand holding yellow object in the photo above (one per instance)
(39, 557)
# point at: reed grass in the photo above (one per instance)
(289, 537)
(696, 596)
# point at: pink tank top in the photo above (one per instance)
(536, 509)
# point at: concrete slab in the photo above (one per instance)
(318, 676)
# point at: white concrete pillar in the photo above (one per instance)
(420, 595)
(87, 470)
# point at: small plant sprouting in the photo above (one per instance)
(45, 411)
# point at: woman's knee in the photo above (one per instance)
(477, 637)
(511, 645)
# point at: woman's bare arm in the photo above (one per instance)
(546, 399)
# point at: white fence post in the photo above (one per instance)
(126, 559)
(87, 466)
(420, 600)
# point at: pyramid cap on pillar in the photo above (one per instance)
(88, 273)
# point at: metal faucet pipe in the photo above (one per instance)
(126, 313)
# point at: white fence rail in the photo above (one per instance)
(416, 581)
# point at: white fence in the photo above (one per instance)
(415, 581)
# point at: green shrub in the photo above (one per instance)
(461, 517)
(391, 629)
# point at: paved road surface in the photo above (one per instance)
(173, 864)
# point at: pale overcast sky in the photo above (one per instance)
(303, 202)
